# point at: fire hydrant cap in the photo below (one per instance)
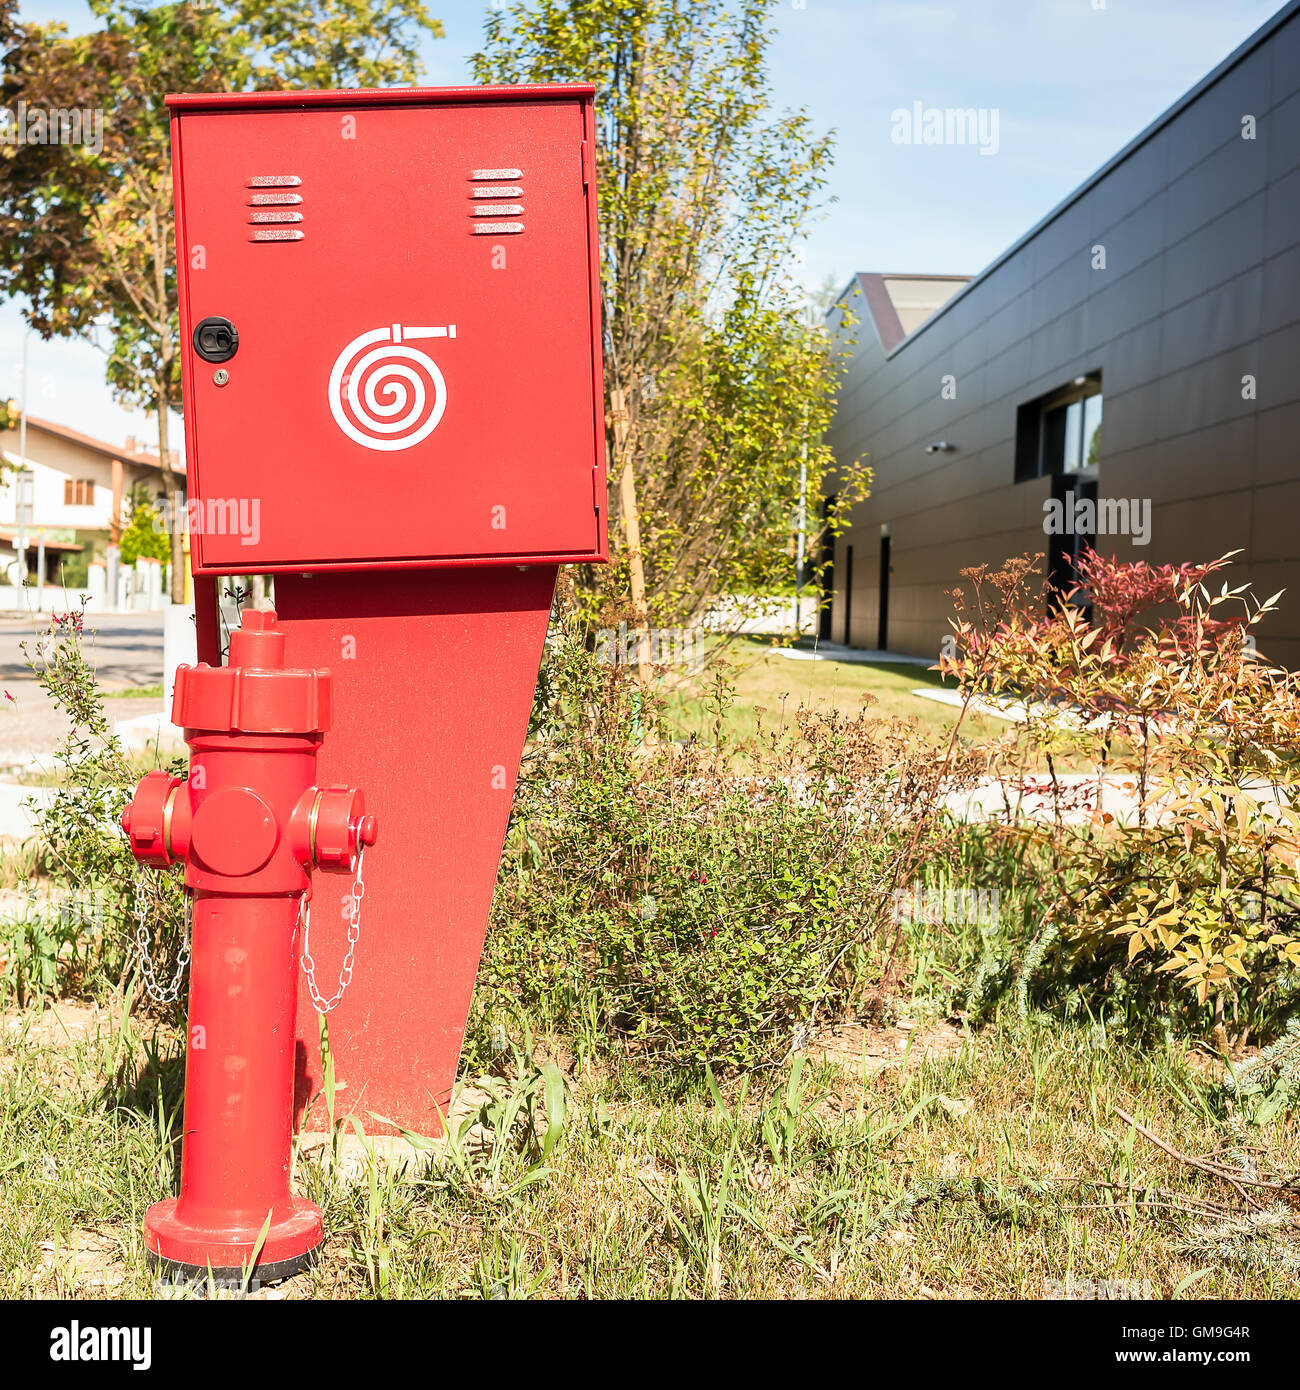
(234, 831)
(340, 827)
(255, 693)
(258, 641)
(147, 819)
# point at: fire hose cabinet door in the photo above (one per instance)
(390, 328)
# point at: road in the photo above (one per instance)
(126, 650)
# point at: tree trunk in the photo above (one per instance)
(632, 534)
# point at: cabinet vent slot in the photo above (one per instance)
(493, 197)
(272, 215)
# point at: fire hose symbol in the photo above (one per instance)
(389, 397)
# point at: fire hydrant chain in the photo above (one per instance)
(325, 1006)
(155, 991)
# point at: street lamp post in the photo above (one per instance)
(802, 542)
(20, 489)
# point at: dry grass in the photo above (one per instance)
(988, 1166)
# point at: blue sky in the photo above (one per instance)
(1071, 81)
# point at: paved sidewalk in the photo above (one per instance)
(32, 727)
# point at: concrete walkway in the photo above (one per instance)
(17, 820)
(31, 727)
(1014, 711)
(835, 651)
(1031, 798)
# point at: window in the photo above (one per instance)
(1060, 433)
(1090, 454)
(78, 492)
(1058, 436)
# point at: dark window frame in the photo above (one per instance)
(1031, 427)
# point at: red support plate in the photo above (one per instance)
(433, 680)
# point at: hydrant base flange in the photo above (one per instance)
(178, 1272)
(293, 1240)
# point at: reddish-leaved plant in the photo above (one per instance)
(1152, 783)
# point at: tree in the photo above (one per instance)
(86, 229)
(714, 380)
(144, 533)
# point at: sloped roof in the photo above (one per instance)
(900, 304)
(140, 458)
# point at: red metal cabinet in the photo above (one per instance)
(412, 277)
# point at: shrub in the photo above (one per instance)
(81, 933)
(704, 902)
(74, 572)
(1149, 679)
(144, 533)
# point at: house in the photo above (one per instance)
(70, 493)
(1165, 289)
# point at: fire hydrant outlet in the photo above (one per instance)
(337, 831)
(147, 819)
(234, 831)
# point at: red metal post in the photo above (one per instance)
(434, 675)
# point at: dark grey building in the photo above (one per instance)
(1139, 350)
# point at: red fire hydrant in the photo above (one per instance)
(249, 824)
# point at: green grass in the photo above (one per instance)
(994, 1166)
(778, 685)
(987, 1174)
